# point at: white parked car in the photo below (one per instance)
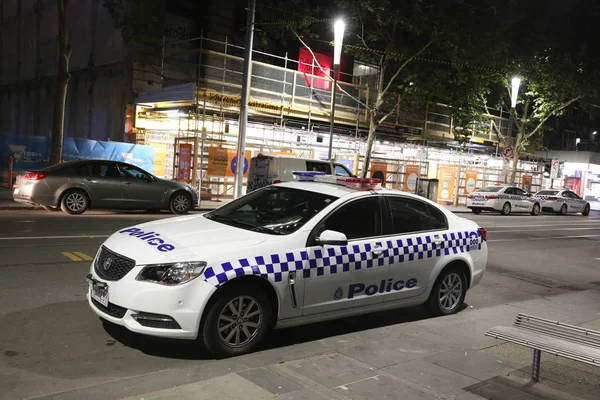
(268, 170)
(505, 199)
(562, 202)
(287, 254)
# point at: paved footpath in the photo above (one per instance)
(415, 358)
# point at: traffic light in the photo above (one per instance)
(547, 169)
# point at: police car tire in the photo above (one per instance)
(208, 330)
(505, 211)
(536, 209)
(433, 304)
(586, 210)
(476, 210)
(563, 210)
(75, 194)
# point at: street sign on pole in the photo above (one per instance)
(507, 152)
(554, 169)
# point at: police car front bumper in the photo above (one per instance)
(149, 308)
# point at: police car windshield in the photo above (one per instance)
(490, 189)
(273, 210)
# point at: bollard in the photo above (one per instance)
(10, 171)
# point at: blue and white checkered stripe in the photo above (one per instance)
(258, 184)
(340, 259)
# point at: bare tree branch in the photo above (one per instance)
(562, 107)
(362, 31)
(382, 120)
(404, 64)
(324, 72)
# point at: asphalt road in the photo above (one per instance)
(50, 342)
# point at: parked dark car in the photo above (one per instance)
(77, 186)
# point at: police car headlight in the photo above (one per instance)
(172, 274)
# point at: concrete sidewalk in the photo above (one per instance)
(414, 358)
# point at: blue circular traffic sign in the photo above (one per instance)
(233, 165)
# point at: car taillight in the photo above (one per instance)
(483, 233)
(470, 196)
(276, 181)
(492, 197)
(34, 176)
(552, 198)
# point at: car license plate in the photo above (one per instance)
(100, 294)
(16, 191)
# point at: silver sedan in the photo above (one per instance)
(77, 186)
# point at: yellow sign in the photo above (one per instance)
(470, 181)
(447, 181)
(160, 159)
(222, 162)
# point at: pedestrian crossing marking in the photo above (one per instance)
(77, 256)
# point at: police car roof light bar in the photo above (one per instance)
(306, 175)
(351, 183)
(361, 183)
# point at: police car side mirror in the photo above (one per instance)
(332, 238)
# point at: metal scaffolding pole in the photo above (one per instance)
(239, 173)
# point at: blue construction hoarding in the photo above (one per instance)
(33, 152)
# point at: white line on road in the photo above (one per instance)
(544, 230)
(543, 238)
(538, 226)
(53, 237)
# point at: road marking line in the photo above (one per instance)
(53, 237)
(83, 255)
(546, 230)
(542, 238)
(72, 256)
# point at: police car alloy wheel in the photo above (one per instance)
(74, 202)
(448, 293)
(506, 208)
(237, 321)
(586, 210)
(536, 209)
(181, 203)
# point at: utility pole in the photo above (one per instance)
(241, 145)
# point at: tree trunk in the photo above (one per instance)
(515, 159)
(62, 84)
(370, 140)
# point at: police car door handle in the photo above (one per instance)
(377, 251)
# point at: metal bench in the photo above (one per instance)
(553, 337)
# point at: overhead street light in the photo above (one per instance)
(516, 82)
(338, 37)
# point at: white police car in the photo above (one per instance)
(286, 254)
(562, 202)
(506, 199)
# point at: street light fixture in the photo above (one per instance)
(338, 37)
(516, 82)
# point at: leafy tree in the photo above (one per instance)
(558, 67)
(140, 21)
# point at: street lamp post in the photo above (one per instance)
(338, 37)
(514, 94)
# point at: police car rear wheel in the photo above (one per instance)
(586, 211)
(563, 210)
(505, 209)
(236, 322)
(448, 293)
(476, 210)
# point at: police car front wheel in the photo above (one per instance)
(236, 322)
(448, 293)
